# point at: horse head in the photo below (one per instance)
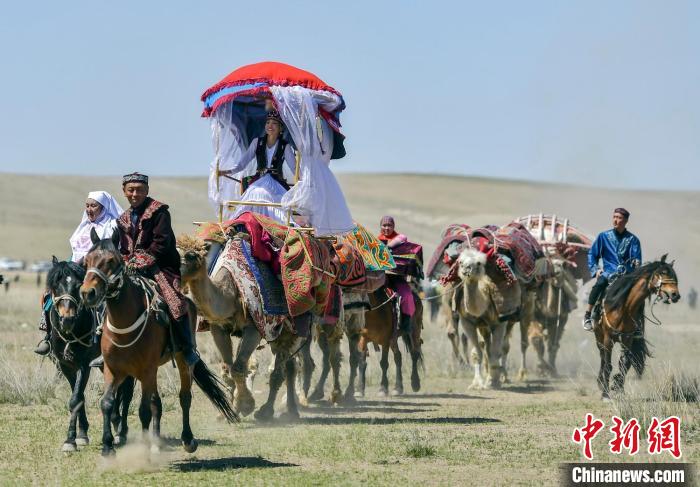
(664, 281)
(193, 256)
(63, 282)
(471, 264)
(105, 270)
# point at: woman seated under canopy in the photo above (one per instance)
(269, 154)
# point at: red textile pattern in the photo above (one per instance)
(348, 265)
(453, 233)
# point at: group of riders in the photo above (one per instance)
(147, 241)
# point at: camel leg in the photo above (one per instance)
(553, 341)
(244, 402)
(477, 355)
(362, 367)
(267, 410)
(222, 341)
(524, 332)
(398, 363)
(495, 349)
(536, 338)
(505, 351)
(465, 348)
(317, 394)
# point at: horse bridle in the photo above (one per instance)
(116, 278)
(655, 287)
(78, 304)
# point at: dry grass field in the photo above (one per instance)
(443, 435)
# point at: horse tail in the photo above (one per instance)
(639, 349)
(212, 386)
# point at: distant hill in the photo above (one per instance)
(38, 213)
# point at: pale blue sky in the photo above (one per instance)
(596, 92)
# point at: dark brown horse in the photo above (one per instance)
(73, 346)
(381, 329)
(622, 318)
(135, 343)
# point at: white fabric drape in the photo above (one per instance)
(318, 194)
(104, 225)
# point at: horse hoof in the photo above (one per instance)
(264, 414)
(397, 392)
(316, 396)
(190, 447)
(82, 441)
(415, 385)
(349, 399)
(289, 417)
(303, 401)
(69, 447)
(244, 404)
(120, 440)
(336, 397)
(522, 375)
(383, 393)
(108, 452)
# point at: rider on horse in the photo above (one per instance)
(147, 244)
(396, 281)
(620, 252)
(101, 213)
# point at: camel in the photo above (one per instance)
(219, 302)
(480, 288)
(450, 320)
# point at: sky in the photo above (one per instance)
(592, 92)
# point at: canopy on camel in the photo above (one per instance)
(310, 110)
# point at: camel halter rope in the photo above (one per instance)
(68, 297)
(141, 321)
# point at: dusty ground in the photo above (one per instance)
(443, 435)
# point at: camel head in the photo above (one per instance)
(193, 256)
(471, 264)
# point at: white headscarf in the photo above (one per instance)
(105, 224)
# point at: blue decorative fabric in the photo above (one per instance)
(620, 253)
(271, 288)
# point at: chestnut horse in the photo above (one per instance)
(622, 318)
(135, 343)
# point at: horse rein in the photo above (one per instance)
(80, 340)
(117, 278)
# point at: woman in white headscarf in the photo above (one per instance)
(101, 213)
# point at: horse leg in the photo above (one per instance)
(384, 365)
(222, 341)
(323, 344)
(624, 365)
(244, 402)
(83, 425)
(267, 410)
(292, 413)
(472, 337)
(398, 362)
(605, 347)
(189, 443)
(107, 405)
(495, 350)
(69, 445)
(156, 414)
(148, 388)
(354, 358)
(124, 395)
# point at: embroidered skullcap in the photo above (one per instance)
(274, 115)
(387, 220)
(622, 212)
(134, 177)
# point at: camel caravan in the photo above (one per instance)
(284, 264)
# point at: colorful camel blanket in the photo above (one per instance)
(438, 265)
(271, 290)
(408, 257)
(374, 253)
(514, 241)
(233, 259)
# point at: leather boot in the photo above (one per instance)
(183, 334)
(44, 346)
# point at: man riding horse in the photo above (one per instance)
(620, 252)
(148, 246)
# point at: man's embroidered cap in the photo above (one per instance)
(134, 177)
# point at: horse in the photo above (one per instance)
(73, 347)
(622, 319)
(381, 329)
(135, 342)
